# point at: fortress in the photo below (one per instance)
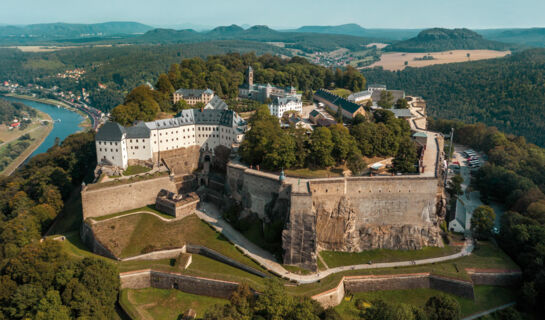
(349, 214)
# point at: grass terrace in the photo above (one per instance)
(337, 259)
(135, 170)
(486, 297)
(117, 182)
(149, 208)
(151, 303)
(307, 173)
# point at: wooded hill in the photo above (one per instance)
(439, 39)
(506, 93)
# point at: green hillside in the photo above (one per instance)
(438, 39)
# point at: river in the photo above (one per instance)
(68, 124)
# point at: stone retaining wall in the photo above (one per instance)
(103, 201)
(355, 284)
(88, 238)
(166, 280)
(495, 277)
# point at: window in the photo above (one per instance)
(130, 140)
(100, 149)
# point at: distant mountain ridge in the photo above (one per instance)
(354, 29)
(439, 39)
(71, 30)
(532, 37)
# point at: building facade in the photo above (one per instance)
(282, 104)
(263, 92)
(207, 128)
(349, 109)
(193, 96)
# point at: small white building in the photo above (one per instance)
(282, 104)
(360, 97)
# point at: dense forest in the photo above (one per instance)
(514, 175)
(507, 93)
(14, 110)
(224, 74)
(269, 146)
(37, 279)
(120, 68)
(439, 39)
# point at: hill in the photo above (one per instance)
(506, 92)
(307, 42)
(439, 39)
(533, 37)
(353, 29)
(48, 31)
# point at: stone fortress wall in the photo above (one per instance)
(342, 214)
(100, 201)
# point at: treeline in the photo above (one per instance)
(120, 68)
(14, 110)
(271, 147)
(13, 150)
(224, 74)
(37, 279)
(506, 93)
(514, 175)
(275, 304)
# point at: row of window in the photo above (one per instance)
(111, 150)
(106, 143)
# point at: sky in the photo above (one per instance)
(282, 13)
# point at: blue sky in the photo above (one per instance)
(282, 13)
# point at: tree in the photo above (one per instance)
(343, 142)
(356, 164)
(359, 118)
(405, 159)
(402, 104)
(274, 303)
(482, 222)
(386, 99)
(321, 146)
(455, 185)
(442, 307)
(163, 85)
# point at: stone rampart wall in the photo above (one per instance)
(496, 278)
(88, 237)
(219, 257)
(456, 287)
(107, 200)
(331, 297)
(180, 161)
(166, 280)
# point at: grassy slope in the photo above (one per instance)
(337, 259)
(487, 297)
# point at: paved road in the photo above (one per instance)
(211, 214)
(484, 313)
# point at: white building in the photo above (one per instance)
(282, 104)
(207, 128)
(360, 97)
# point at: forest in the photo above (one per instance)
(506, 93)
(515, 176)
(224, 74)
(37, 279)
(120, 68)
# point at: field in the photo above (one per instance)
(396, 60)
(486, 297)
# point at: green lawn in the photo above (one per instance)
(486, 297)
(342, 92)
(135, 170)
(307, 173)
(337, 259)
(166, 304)
(149, 208)
(117, 182)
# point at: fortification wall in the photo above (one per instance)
(135, 279)
(194, 285)
(331, 298)
(88, 237)
(180, 161)
(496, 278)
(98, 202)
(456, 287)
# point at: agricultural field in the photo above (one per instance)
(396, 60)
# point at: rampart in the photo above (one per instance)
(354, 284)
(167, 280)
(100, 201)
(342, 214)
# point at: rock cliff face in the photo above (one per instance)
(338, 230)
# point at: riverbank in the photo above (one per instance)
(37, 133)
(84, 124)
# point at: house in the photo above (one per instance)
(282, 104)
(376, 87)
(420, 138)
(193, 96)
(361, 97)
(462, 218)
(397, 94)
(402, 113)
(334, 102)
(317, 114)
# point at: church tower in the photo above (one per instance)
(250, 76)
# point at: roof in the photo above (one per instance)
(314, 113)
(402, 113)
(376, 85)
(110, 131)
(338, 101)
(360, 94)
(195, 93)
(285, 100)
(397, 94)
(140, 130)
(227, 118)
(420, 134)
(217, 103)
